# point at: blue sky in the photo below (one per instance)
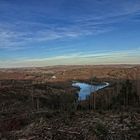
(57, 32)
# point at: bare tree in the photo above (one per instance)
(38, 103)
(32, 97)
(93, 96)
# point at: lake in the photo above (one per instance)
(87, 89)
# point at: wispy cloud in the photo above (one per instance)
(14, 39)
(113, 57)
(34, 33)
(20, 33)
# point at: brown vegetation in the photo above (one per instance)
(34, 105)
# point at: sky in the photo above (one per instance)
(69, 32)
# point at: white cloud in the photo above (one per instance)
(113, 57)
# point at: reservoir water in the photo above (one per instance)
(87, 89)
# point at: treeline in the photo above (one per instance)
(61, 102)
(120, 95)
(126, 97)
(37, 97)
(53, 98)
